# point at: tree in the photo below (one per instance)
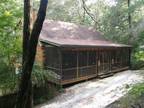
(129, 15)
(30, 40)
(129, 22)
(10, 43)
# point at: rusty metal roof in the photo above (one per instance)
(68, 34)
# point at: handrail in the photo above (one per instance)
(80, 67)
(52, 68)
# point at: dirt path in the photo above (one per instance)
(96, 93)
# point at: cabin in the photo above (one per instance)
(75, 52)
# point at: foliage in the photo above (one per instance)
(137, 90)
(41, 76)
(10, 41)
(44, 89)
(7, 83)
(45, 93)
(140, 55)
(133, 99)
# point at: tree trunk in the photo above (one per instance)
(24, 99)
(129, 23)
(26, 28)
(129, 15)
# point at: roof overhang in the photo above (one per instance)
(84, 46)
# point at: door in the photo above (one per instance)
(104, 62)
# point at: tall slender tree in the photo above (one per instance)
(129, 15)
(129, 22)
(30, 40)
(26, 27)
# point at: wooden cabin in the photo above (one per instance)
(76, 53)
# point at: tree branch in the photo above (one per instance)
(88, 13)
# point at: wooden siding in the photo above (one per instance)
(40, 55)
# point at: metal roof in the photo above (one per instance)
(66, 34)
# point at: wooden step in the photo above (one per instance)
(105, 75)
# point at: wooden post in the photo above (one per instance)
(103, 61)
(110, 60)
(77, 64)
(60, 58)
(129, 58)
(87, 63)
(96, 62)
(87, 57)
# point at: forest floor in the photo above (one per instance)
(96, 93)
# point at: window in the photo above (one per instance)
(69, 59)
(106, 57)
(82, 58)
(51, 57)
(125, 57)
(92, 58)
(118, 56)
(114, 57)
